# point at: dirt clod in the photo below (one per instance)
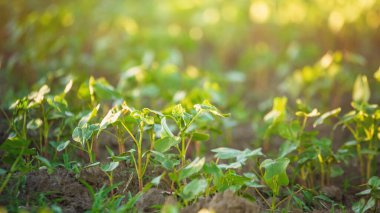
(97, 178)
(61, 187)
(150, 199)
(332, 192)
(226, 202)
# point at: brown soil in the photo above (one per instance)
(61, 187)
(150, 199)
(332, 192)
(96, 178)
(226, 202)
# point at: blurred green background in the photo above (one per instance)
(248, 51)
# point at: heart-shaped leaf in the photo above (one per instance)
(193, 189)
(63, 146)
(192, 168)
(326, 115)
(84, 133)
(164, 144)
(275, 173)
(109, 167)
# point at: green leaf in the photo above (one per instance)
(374, 182)
(89, 116)
(193, 189)
(38, 97)
(103, 90)
(231, 180)
(178, 111)
(254, 181)
(34, 124)
(278, 112)
(192, 168)
(91, 165)
(313, 113)
(63, 146)
(198, 136)
(2, 172)
(84, 133)
(326, 115)
(288, 131)
(164, 144)
(336, 171)
(275, 173)
(166, 160)
(111, 117)
(358, 207)
(109, 167)
(207, 107)
(68, 86)
(166, 132)
(122, 157)
(240, 156)
(226, 153)
(361, 92)
(288, 147)
(246, 153)
(365, 192)
(362, 206)
(155, 112)
(156, 180)
(83, 91)
(234, 165)
(44, 161)
(13, 144)
(212, 169)
(376, 75)
(370, 203)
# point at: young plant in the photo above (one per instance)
(84, 131)
(275, 176)
(189, 126)
(373, 192)
(108, 170)
(313, 154)
(362, 122)
(189, 191)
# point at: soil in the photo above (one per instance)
(332, 192)
(96, 178)
(150, 199)
(61, 187)
(226, 202)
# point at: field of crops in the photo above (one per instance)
(190, 106)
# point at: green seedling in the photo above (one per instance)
(240, 157)
(108, 170)
(373, 192)
(362, 122)
(189, 125)
(275, 176)
(84, 131)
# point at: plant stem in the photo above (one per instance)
(262, 197)
(8, 177)
(183, 151)
(89, 152)
(321, 162)
(152, 140)
(358, 149)
(183, 138)
(139, 158)
(130, 133)
(369, 160)
(46, 131)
